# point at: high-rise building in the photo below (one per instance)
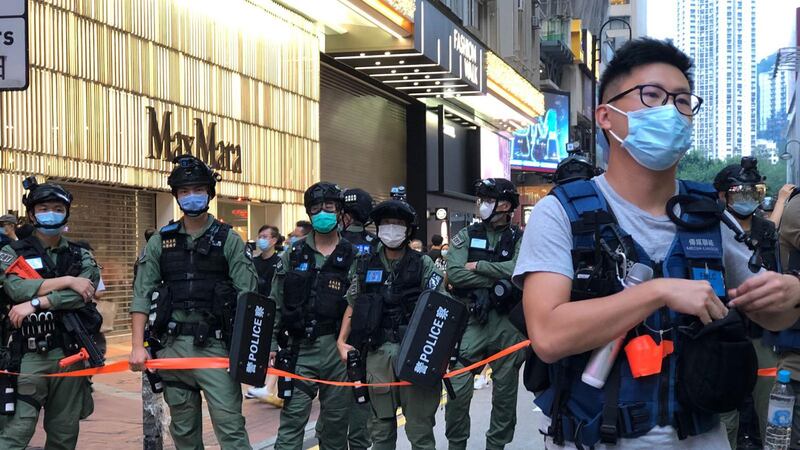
(773, 99)
(616, 33)
(721, 37)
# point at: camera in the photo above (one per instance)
(30, 183)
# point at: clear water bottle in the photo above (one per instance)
(781, 409)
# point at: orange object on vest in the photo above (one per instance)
(22, 269)
(645, 356)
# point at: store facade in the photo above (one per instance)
(152, 79)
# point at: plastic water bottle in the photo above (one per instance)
(781, 409)
(602, 359)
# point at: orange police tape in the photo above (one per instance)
(222, 363)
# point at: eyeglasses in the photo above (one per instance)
(654, 96)
(327, 206)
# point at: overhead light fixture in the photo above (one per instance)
(387, 53)
(405, 77)
(416, 83)
(377, 63)
(382, 16)
(427, 76)
(416, 70)
(402, 61)
(394, 70)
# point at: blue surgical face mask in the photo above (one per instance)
(263, 244)
(194, 204)
(293, 239)
(657, 137)
(602, 148)
(46, 222)
(324, 222)
(744, 208)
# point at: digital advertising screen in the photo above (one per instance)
(542, 145)
(495, 155)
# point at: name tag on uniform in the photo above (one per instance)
(477, 243)
(374, 276)
(714, 278)
(35, 263)
(303, 267)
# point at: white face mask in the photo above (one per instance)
(486, 209)
(392, 236)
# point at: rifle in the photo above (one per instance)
(83, 343)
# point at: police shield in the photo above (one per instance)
(433, 332)
(252, 335)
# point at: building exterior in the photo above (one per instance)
(106, 117)
(634, 13)
(720, 35)
(786, 61)
(774, 95)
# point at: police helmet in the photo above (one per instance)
(191, 171)
(322, 192)
(746, 172)
(576, 166)
(358, 203)
(395, 209)
(498, 189)
(41, 193)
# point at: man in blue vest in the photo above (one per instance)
(583, 240)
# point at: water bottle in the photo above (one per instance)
(779, 418)
(603, 358)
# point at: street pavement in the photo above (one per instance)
(117, 418)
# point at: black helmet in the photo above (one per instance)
(394, 209)
(576, 166)
(191, 171)
(47, 192)
(499, 189)
(746, 172)
(321, 192)
(358, 203)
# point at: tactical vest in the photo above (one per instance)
(398, 289)
(478, 244)
(68, 262)
(314, 298)
(193, 271)
(363, 241)
(579, 412)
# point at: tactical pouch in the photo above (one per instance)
(225, 309)
(480, 305)
(366, 321)
(297, 289)
(286, 360)
(8, 383)
(330, 302)
(90, 317)
(160, 309)
(717, 366)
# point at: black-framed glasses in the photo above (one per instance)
(654, 96)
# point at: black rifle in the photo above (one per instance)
(83, 344)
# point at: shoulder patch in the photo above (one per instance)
(6, 258)
(172, 226)
(435, 280)
(457, 240)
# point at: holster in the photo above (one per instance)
(480, 305)
(225, 309)
(286, 360)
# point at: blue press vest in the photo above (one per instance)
(646, 401)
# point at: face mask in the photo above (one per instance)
(3, 231)
(194, 204)
(657, 137)
(392, 236)
(46, 222)
(293, 239)
(263, 244)
(486, 209)
(444, 253)
(324, 222)
(744, 208)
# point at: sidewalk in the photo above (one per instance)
(117, 414)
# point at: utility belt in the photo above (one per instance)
(39, 333)
(201, 331)
(501, 297)
(313, 330)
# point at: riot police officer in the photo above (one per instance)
(193, 269)
(69, 275)
(309, 288)
(357, 209)
(481, 256)
(391, 279)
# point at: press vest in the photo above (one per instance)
(192, 270)
(577, 409)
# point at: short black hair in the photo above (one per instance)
(148, 233)
(640, 52)
(437, 239)
(305, 225)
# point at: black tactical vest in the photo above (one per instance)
(193, 270)
(478, 244)
(363, 241)
(314, 297)
(68, 261)
(398, 289)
